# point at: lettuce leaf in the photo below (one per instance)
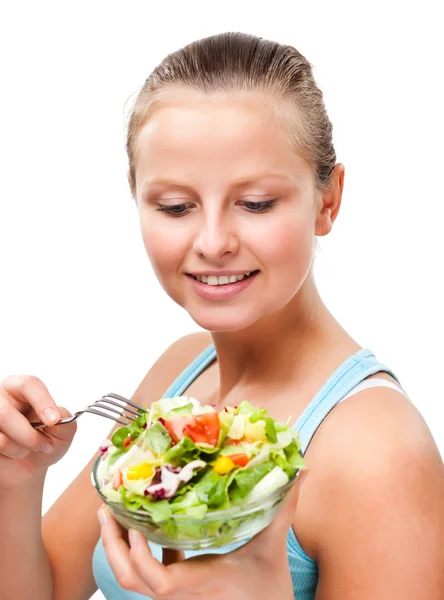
(186, 409)
(244, 480)
(212, 490)
(133, 501)
(232, 449)
(158, 439)
(294, 455)
(116, 455)
(182, 453)
(270, 431)
(245, 407)
(279, 459)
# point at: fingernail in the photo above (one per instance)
(134, 537)
(50, 415)
(47, 448)
(103, 518)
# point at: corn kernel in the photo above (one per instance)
(223, 465)
(142, 471)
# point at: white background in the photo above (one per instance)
(79, 305)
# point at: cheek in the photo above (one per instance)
(289, 246)
(165, 246)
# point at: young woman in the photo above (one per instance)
(234, 174)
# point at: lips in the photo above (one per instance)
(221, 279)
(221, 291)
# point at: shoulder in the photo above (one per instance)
(380, 494)
(170, 365)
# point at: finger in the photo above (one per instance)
(118, 554)
(63, 433)
(31, 390)
(200, 575)
(155, 575)
(11, 449)
(16, 427)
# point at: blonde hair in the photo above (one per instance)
(240, 62)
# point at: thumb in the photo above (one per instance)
(280, 525)
(62, 433)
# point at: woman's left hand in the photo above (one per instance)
(258, 569)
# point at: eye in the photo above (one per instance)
(258, 207)
(176, 210)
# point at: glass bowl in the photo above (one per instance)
(216, 528)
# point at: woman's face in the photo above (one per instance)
(221, 195)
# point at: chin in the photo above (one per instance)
(226, 320)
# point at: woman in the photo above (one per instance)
(234, 174)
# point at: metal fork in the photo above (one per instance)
(106, 403)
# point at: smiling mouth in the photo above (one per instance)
(222, 279)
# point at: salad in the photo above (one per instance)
(182, 458)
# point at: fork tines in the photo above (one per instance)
(120, 403)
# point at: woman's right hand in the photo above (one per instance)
(25, 451)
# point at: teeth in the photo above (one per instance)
(221, 279)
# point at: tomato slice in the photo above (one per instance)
(204, 428)
(239, 459)
(231, 442)
(117, 480)
(175, 426)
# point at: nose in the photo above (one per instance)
(215, 240)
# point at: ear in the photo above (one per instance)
(330, 201)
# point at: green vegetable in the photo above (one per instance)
(139, 421)
(190, 498)
(227, 450)
(225, 420)
(189, 504)
(280, 426)
(134, 501)
(245, 407)
(244, 480)
(279, 458)
(158, 439)
(114, 457)
(196, 512)
(212, 490)
(258, 414)
(270, 431)
(187, 409)
(160, 510)
(119, 436)
(294, 456)
(182, 453)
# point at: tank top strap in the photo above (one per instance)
(352, 371)
(191, 372)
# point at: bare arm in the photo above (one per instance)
(381, 533)
(57, 545)
(25, 567)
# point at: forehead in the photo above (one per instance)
(226, 137)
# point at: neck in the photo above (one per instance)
(277, 349)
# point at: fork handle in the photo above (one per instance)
(40, 425)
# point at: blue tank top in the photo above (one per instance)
(304, 571)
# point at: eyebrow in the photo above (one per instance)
(236, 184)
